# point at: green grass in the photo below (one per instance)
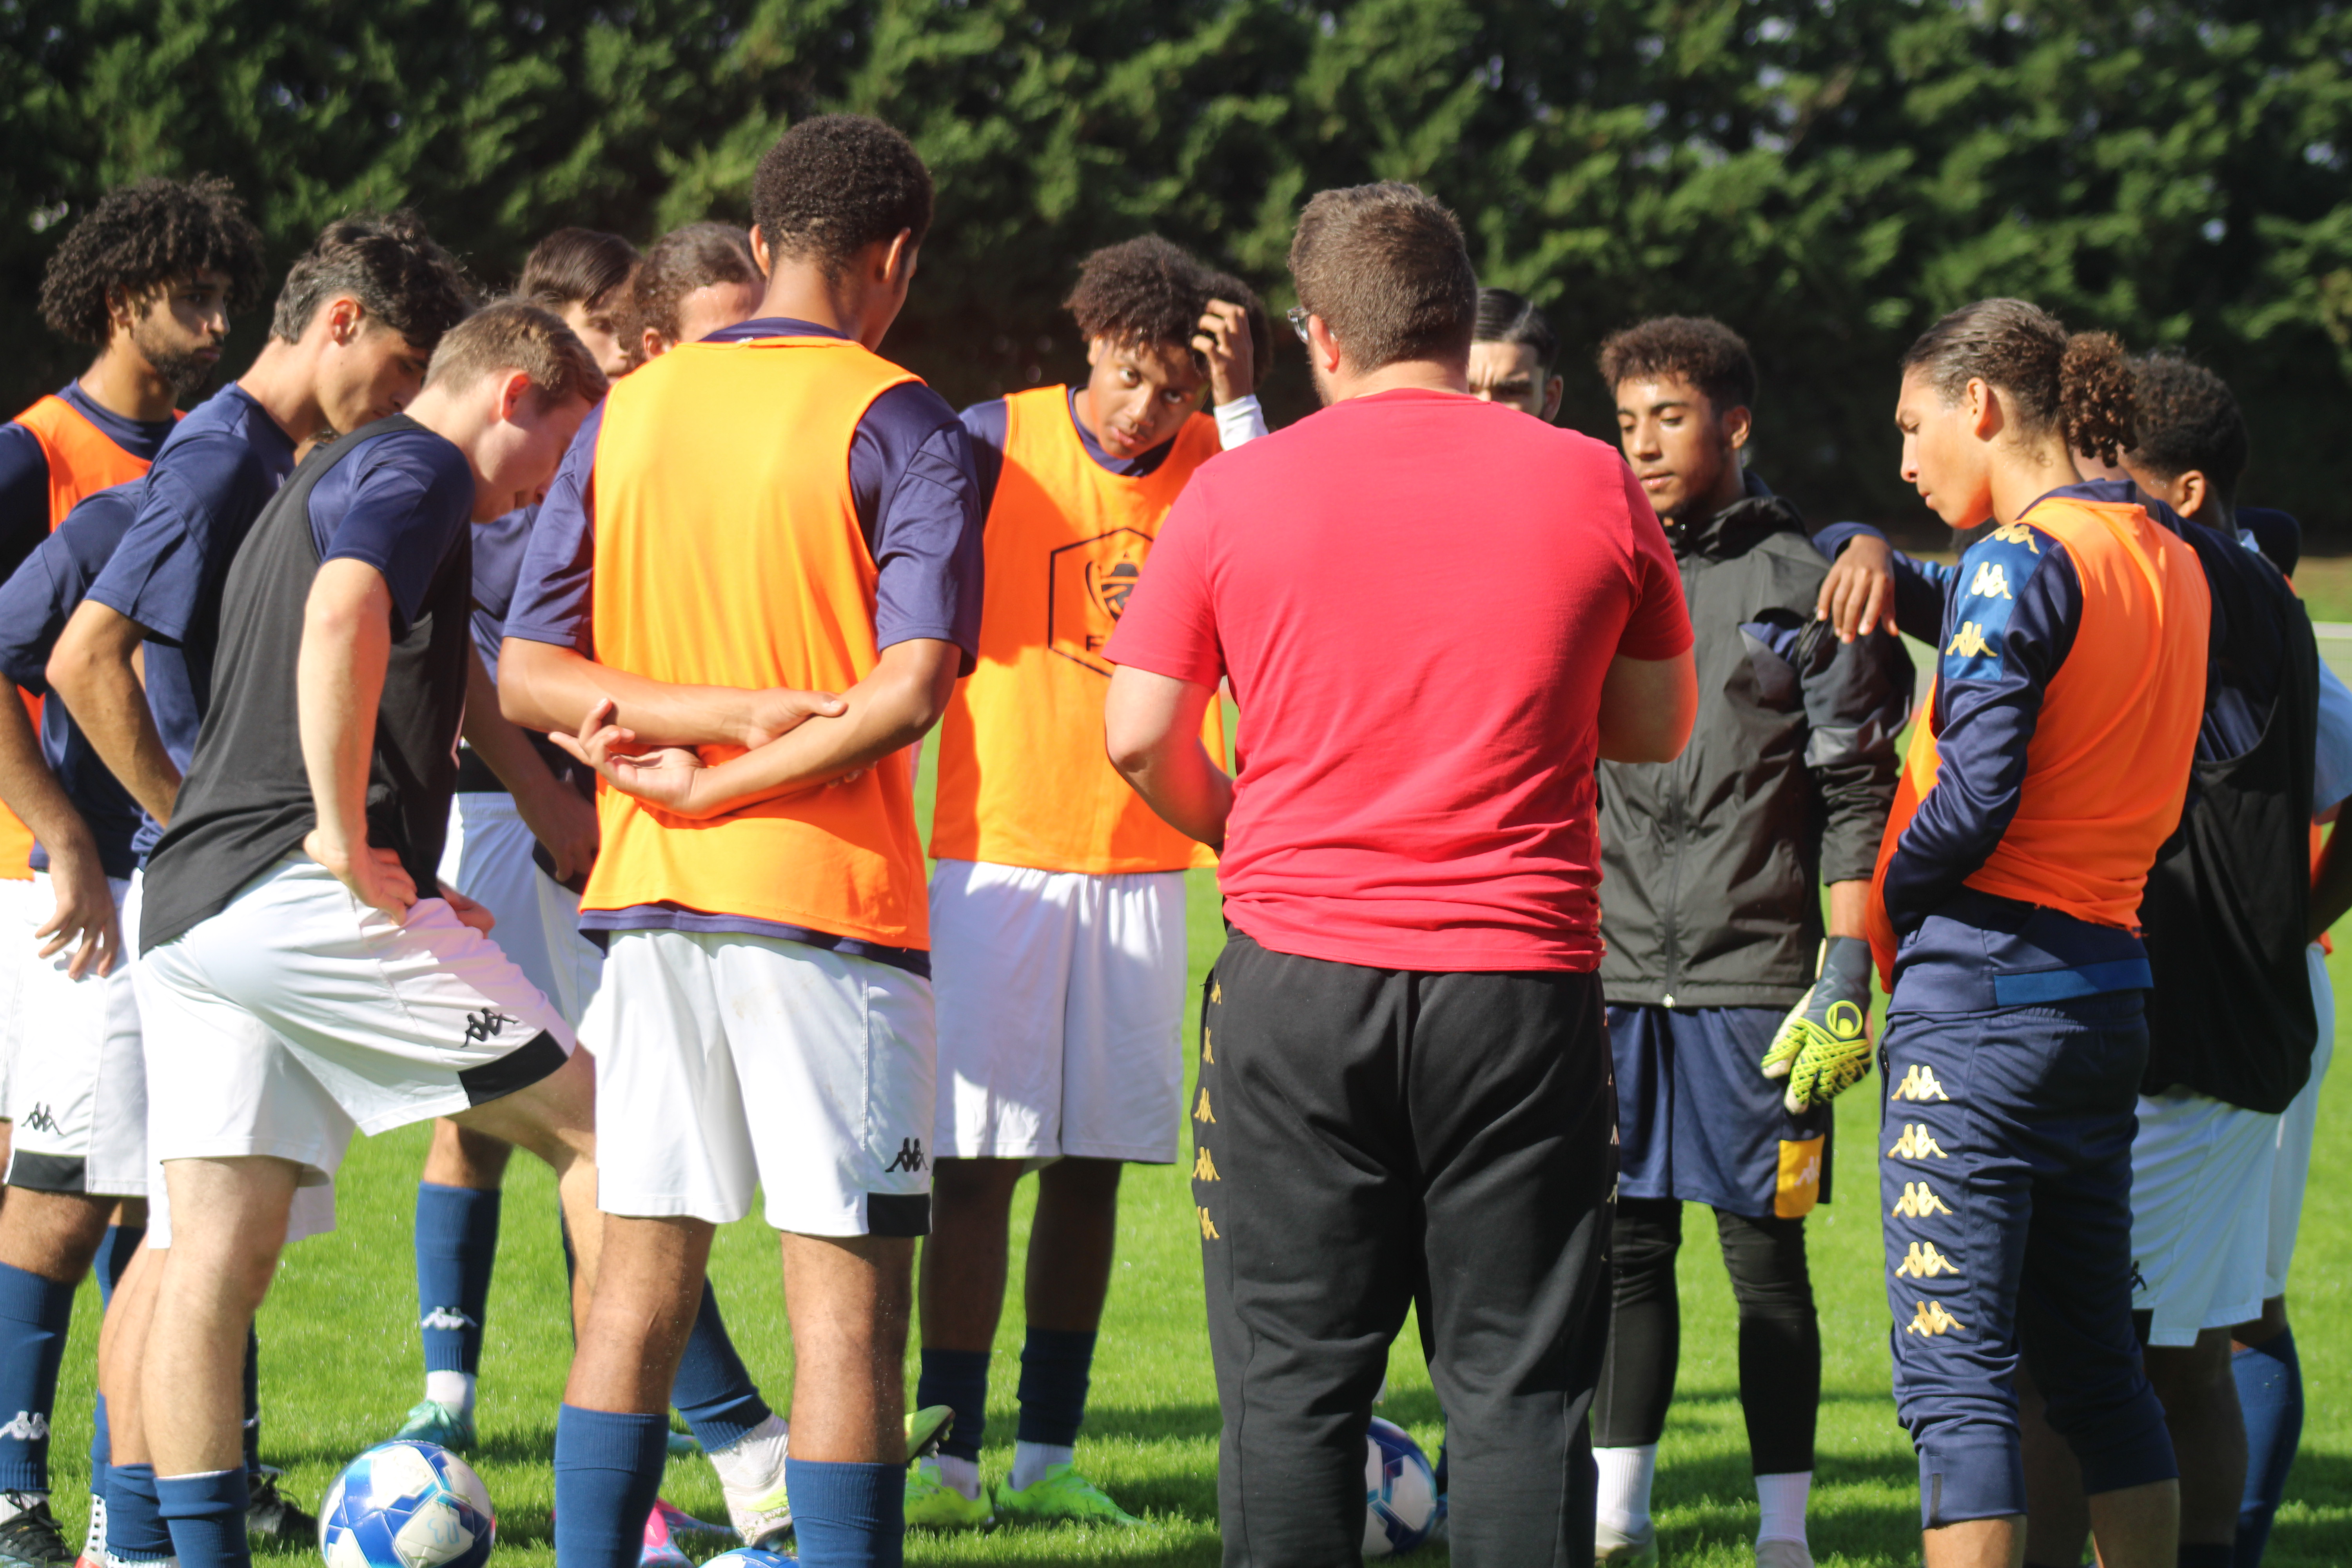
(341, 1364)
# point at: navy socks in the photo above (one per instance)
(845, 1515)
(608, 1470)
(35, 1314)
(959, 1380)
(135, 1531)
(456, 1246)
(2270, 1392)
(712, 1390)
(206, 1516)
(1056, 1367)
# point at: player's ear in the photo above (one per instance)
(2194, 490)
(898, 260)
(514, 397)
(1554, 390)
(759, 257)
(1986, 416)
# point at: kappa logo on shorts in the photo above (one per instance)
(1202, 1112)
(41, 1121)
(1932, 1320)
(1209, 1227)
(1917, 1202)
(27, 1427)
(910, 1156)
(448, 1318)
(1919, 1083)
(485, 1026)
(1204, 1168)
(1208, 1053)
(1915, 1144)
(1924, 1262)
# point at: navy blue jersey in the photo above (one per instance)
(499, 548)
(399, 506)
(36, 603)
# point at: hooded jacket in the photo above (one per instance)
(1713, 864)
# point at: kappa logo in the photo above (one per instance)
(1991, 581)
(1932, 1320)
(2017, 534)
(1208, 1055)
(1919, 1083)
(41, 1121)
(448, 1318)
(1915, 1144)
(485, 1026)
(27, 1427)
(1216, 994)
(1924, 1262)
(1209, 1227)
(1204, 1168)
(910, 1156)
(1969, 642)
(1918, 1201)
(1202, 1112)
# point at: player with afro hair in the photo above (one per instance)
(1057, 907)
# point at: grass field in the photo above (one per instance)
(341, 1364)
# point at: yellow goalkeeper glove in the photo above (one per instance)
(1823, 1046)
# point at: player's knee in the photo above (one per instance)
(53, 1235)
(962, 1184)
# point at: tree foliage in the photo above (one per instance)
(1826, 175)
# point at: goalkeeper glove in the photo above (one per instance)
(1823, 1046)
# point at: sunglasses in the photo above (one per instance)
(1297, 315)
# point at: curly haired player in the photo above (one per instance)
(1057, 907)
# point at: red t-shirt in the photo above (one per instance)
(1415, 596)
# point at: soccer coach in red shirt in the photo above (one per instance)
(1435, 612)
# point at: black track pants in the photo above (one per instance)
(1780, 1338)
(1351, 1126)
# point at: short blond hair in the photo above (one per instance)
(514, 334)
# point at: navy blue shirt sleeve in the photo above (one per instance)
(398, 506)
(987, 424)
(201, 498)
(910, 468)
(554, 588)
(24, 494)
(2008, 631)
(1921, 587)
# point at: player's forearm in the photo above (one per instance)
(31, 790)
(543, 687)
(1849, 908)
(338, 683)
(93, 670)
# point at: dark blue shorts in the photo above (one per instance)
(2005, 1173)
(1697, 1121)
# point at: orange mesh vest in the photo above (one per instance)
(83, 460)
(1022, 777)
(727, 553)
(2108, 769)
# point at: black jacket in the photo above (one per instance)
(1712, 864)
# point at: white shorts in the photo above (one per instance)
(298, 1015)
(725, 1062)
(2297, 1125)
(2201, 1212)
(1061, 1004)
(80, 1095)
(487, 859)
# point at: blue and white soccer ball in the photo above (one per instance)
(407, 1504)
(751, 1557)
(1399, 1492)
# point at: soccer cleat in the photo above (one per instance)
(925, 1427)
(933, 1504)
(93, 1543)
(1061, 1493)
(450, 1427)
(762, 1517)
(1612, 1550)
(30, 1538)
(663, 1526)
(271, 1515)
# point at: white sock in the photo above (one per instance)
(1783, 1501)
(755, 1461)
(1030, 1460)
(1625, 1478)
(453, 1388)
(13, 1503)
(962, 1475)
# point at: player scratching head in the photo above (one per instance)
(149, 277)
(1997, 399)
(361, 313)
(839, 207)
(2192, 443)
(508, 386)
(1514, 355)
(1160, 329)
(695, 280)
(1685, 387)
(583, 276)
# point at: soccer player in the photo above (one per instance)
(1711, 910)
(1404, 1072)
(299, 977)
(2053, 765)
(357, 316)
(1057, 907)
(695, 280)
(771, 513)
(582, 275)
(1515, 355)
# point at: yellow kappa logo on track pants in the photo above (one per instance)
(1924, 1262)
(1932, 1320)
(1915, 1144)
(1919, 1084)
(1918, 1201)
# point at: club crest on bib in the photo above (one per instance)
(1089, 584)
